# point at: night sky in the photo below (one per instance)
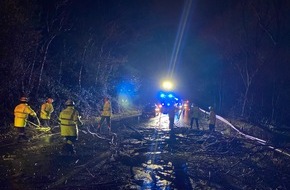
(154, 41)
(217, 52)
(157, 24)
(160, 24)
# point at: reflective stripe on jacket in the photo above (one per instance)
(21, 113)
(107, 109)
(69, 121)
(46, 110)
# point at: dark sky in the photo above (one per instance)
(156, 26)
(161, 21)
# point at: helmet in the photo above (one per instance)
(24, 99)
(49, 100)
(210, 108)
(69, 103)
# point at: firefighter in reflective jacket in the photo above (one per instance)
(45, 112)
(195, 115)
(69, 121)
(106, 114)
(21, 113)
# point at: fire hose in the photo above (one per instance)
(112, 139)
(38, 126)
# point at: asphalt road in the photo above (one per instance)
(144, 154)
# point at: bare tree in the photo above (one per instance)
(18, 43)
(55, 22)
(242, 43)
(273, 20)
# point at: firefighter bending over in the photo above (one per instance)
(45, 112)
(69, 121)
(106, 114)
(21, 113)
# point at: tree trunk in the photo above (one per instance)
(80, 76)
(32, 71)
(245, 99)
(43, 62)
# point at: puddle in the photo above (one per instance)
(160, 169)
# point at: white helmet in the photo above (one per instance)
(69, 102)
(23, 99)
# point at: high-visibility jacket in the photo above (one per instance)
(212, 117)
(69, 120)
(195, 112)
(107, 109)
(21, 113)
(46, 110)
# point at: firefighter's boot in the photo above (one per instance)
(22, 138)
(71, 150)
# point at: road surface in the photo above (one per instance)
(144, 154)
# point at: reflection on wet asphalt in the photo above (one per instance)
(40, 163)
(161, 170)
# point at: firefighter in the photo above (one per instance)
(171, 115)
(106, 114)
(212, 119)
(195, 115)
(69, 119)
(45, 112)
(21, 113)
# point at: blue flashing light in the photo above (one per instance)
(167, 99)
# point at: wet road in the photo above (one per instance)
(143, 155)
(147, 146)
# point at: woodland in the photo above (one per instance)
(236, 54)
